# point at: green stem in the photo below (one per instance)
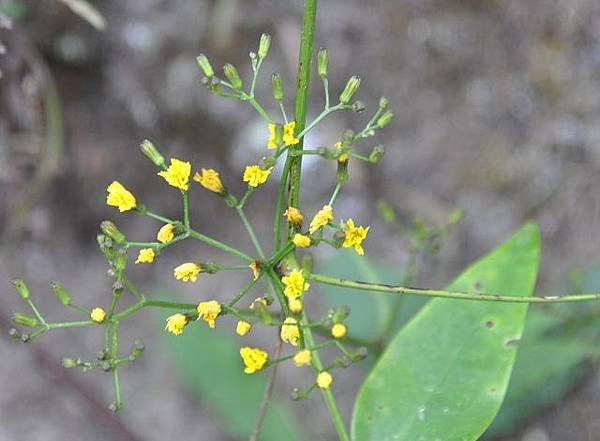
(336, 191)
(288, 248)
(158, 217)
(328, 110)
(186, 209)
(251, 232)
(402, 290)
(279, 207)
(242, 293)
(220, 245)
(75, 324)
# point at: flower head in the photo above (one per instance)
(290, 333)
(187, 271)
(289, 137)
(302, 358)
(324, 380)
(209, 311)
(354, 236)
(301, 241)
(294, 216)
(98, 315)
(295, 285)
(272, 142)
(295, 305)
(176, 323)
(120, 197)
(177, 174)
(339, 330)
(210, 180)
(166, 233)
(255, 267)
(146, 255)
(255, 176)
(322, 218)
(254, 359)
(243, 327)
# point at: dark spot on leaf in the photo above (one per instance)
(490, 324)
(493, 390)
(478, 285)
(512, 342)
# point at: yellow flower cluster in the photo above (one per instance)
(210, 180)
(166, 233)
(322, 218)
(353, 236)
(120, 197)
(288, 138)
(290, 333)
(188, 272)
(243, 327)
(301, 241)
(209, 311)
(324, 380)
(177, 174)
(255, 176)
(254, 359)
(98, 315)
(294, 216)
(339, 330)
(303, 358)
(146, 255)
(295, 285)
(176, 323)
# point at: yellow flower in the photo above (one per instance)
(295, 284)
(255, 267)
(209, 311)
(294, 216)
(272, 142)
(120, 197)
(243, 327)
(322, 218)
(176, 323)
(146, 255)
(254, 359)
(339, 330)
(210, 180)
(255, 176)
(178, 174)
(166, 233)
(354, 236)
(260, 301)
(289, 138)
(324, 380)
(344, 156)
(187, 271)
(301, 241)
(98, 315)
(302, 358)
(290, 333)
(295, 305)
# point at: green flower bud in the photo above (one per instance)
(152, 153)
(277, 83)
(342, 170)
(385, 119)
(339, 314)
(233, 76)
(264, 45)
(111, 230)
(204, 64)
(351, 87)
(360, 354)
(69, 363)
(376, 154)
(21, 288)
(24, 320)
(383, 102)
(322, 62)
(210, 267)
(61, 293)
(138, 348)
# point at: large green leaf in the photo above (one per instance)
(444, 376)
(210, 366)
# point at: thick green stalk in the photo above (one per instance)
(403, 290)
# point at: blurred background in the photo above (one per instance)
(497, 114)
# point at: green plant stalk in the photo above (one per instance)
(220, 245)
(403, 290)
(251, 232)
(186, 208)
(279, 207)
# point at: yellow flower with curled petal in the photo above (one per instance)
(254, 359)
(177, 174)
(146, 255)
(295, 284)
(339, 330)
(294, 216)
(255, 267)
(98, 315)
(290, 333)
(176, 323)
(166, 233)
(302, 358)
(301, 241)
(118, 196)
(322, 218)
(295, 305)
(209, 311)
(354, 236)
(272, 142)
(255, 176)
(210, 180)
(243, 327)
(187, 271)
(324, 380)
(289, 137)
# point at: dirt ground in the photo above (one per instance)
(497, 113)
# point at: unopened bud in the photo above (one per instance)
(204, 64)
(385, 119)
(69, 363)
(233, 76)
(21, 288)
(120, 260)
(338, 238)
(358, 106)
(118, 288)
(106, 366)
(342, 169)
(322, 62)
(361, 353)
(264, 45)
(152, 153)
(383, 102)
(376, 154)
(24, 320)
(111, 230)
(210, 267)
(351, 87)
(277, 83)
(298, 394)
(138, 348)
(339, 314)
(343, 361)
